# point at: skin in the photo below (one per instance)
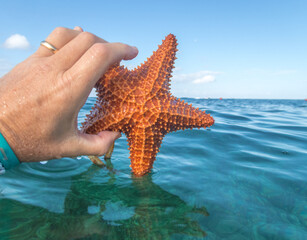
(41, 97)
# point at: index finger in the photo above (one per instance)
(96, 61)
(69, 54)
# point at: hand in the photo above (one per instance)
(41, 97)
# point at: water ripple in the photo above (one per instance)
(243, 178)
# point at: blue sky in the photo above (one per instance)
(230, 49)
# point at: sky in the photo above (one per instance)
(229, 49)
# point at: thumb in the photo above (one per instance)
(96, 145)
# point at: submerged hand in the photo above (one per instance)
(41, 97)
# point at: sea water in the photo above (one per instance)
(243, 178)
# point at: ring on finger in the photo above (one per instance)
(49, 46)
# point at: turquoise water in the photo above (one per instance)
(243, 178)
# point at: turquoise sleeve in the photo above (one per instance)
(8, 158)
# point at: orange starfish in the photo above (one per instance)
(139, 103)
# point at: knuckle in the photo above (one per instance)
(64, 83)
(101, 146)
(59, 31)
(88, 37)
(100, 50)
(123, 47)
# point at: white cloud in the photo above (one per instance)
(197, 77)
(16, 41)
(204, 79)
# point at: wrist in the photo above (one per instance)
(9, 135)
(8, 127)
(8, 158)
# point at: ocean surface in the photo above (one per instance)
(243, 178)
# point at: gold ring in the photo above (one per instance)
(49, 46)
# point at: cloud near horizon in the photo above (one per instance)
(16, 41)
(197, 77)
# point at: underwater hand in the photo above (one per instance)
(41, 97)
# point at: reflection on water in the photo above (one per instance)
(138, 210)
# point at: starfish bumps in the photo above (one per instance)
(139, 104)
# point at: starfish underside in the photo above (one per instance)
(139, 104)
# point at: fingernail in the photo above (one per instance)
(133, 53)
(135, 50)
(77, 28)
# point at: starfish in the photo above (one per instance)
(139, 104)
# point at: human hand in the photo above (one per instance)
(41, 97)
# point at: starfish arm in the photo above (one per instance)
(91, 124)
(144, 145)
(181, 115)
(108, 123)
(105, 115)
(158, 68)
